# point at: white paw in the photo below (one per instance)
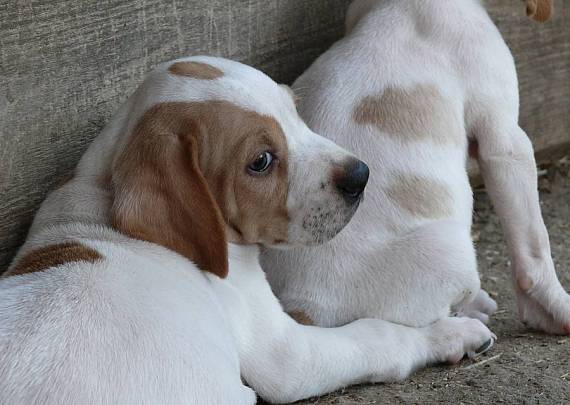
(450, 339)
(482, 307)
(547, 310)
(542, 302)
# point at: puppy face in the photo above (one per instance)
(216, 151)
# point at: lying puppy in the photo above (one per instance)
(411, 85)
(140, 281)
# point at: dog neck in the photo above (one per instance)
(243, 255)
(86, 198)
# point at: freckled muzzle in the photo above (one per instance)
(327, 210)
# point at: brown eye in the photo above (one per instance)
(261, 163)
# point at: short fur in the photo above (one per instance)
(166, 206)
(409, 87)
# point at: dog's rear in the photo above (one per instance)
(409, 87)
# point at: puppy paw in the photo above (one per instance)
(450, 339)
(547, 310)
(481, 308)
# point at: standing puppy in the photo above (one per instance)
(140, 282)
(410, 87)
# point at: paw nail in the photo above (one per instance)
(486, 346)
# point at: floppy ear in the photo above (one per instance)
(539, 10)
(160, 193)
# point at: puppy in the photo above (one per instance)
(140, 282)
(410, 89)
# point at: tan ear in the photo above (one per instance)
(160, 193)
(539, 10)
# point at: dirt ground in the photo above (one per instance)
(524, 367)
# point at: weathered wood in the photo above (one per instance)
(542, 55)
(66, 65)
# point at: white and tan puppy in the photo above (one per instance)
(408, 89)
(140, 282)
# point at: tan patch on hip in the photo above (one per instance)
(418, 113)
(52, 256)
(301, 318)
(195, 70)
(421, 196)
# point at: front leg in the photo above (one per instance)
(284, 361)
(507, 164)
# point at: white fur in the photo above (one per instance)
(145, 326)
(388, 263)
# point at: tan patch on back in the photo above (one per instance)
(52, 256)
(181, 181)
(301, 318)
(195, 70)
(421, 196)
(414, 114)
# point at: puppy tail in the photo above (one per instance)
(539, 10)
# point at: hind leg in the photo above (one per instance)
(506, 159)
(428, 274)
(416, 279)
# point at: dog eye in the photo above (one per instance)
(261, 163)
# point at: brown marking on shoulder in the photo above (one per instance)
(301, 318)
(52, 256)
(418, 113)
(539, 10)
(181, 181)
(195, 70)
(421, 196)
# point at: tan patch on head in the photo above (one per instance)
(301, 318)
(182, 181)
(52, 256)
(421, 196)
(539, 10)
(414, 114)
(195, 70)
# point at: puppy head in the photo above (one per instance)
(214, 151)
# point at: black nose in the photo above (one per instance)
(352, 179)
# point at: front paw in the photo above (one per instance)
(450, 339)
(544, 309)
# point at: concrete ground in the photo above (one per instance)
(524, 367)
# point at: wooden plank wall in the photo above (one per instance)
(65, 65)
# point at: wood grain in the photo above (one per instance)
(66, 65)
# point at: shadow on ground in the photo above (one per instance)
(523, 367)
